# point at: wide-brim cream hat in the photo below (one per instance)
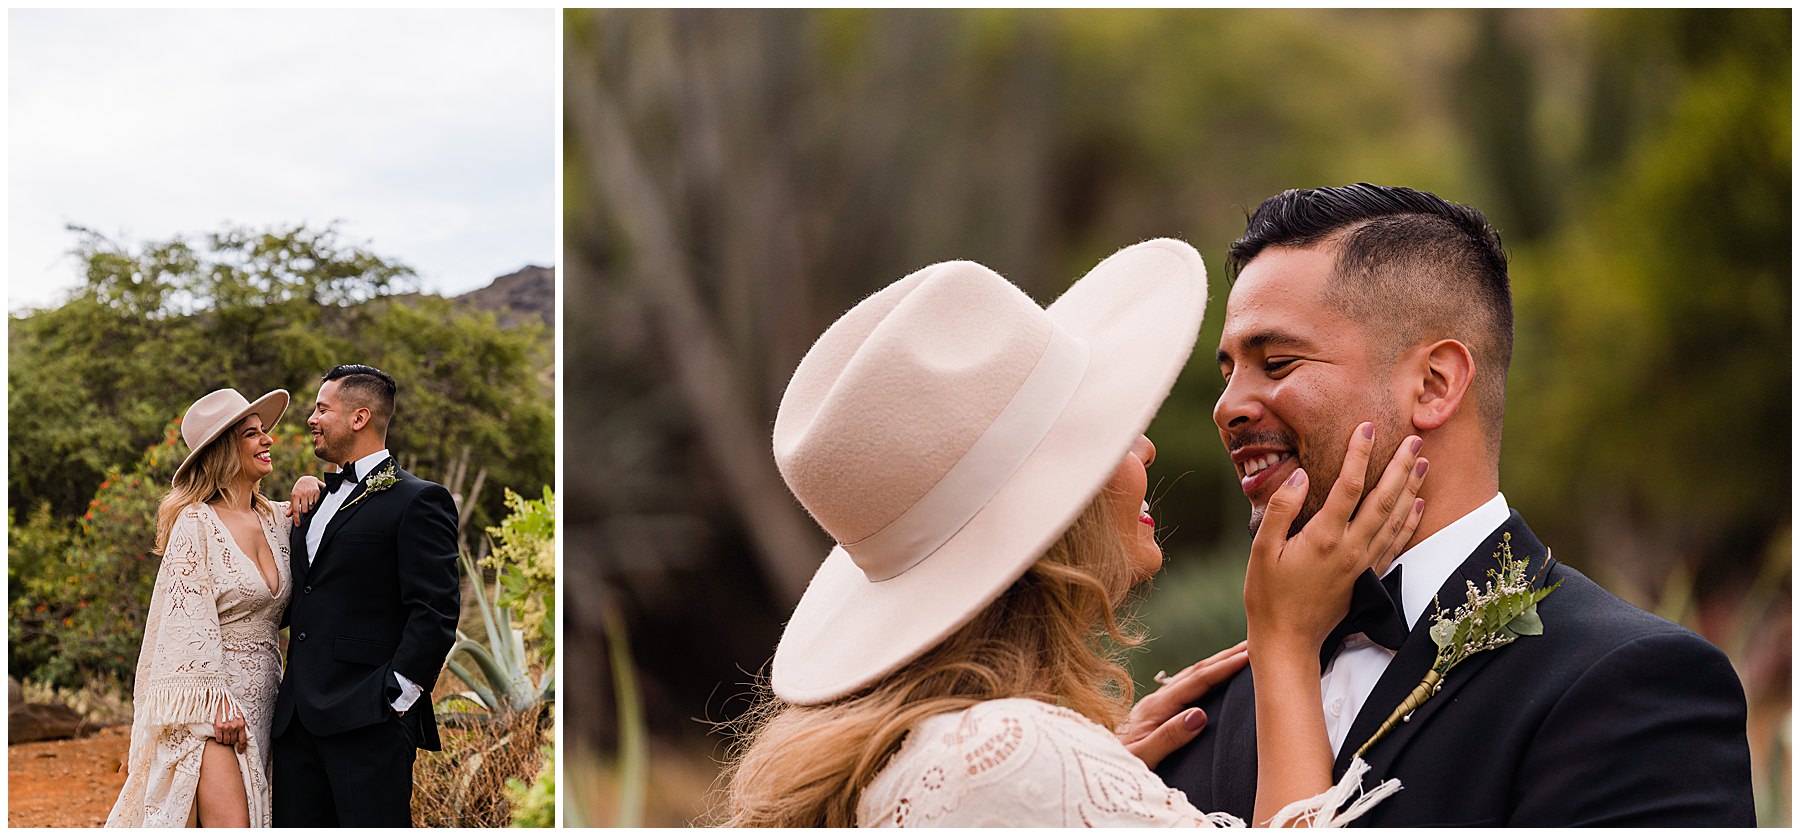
(217, 412)
(947, 430)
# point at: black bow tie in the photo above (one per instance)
(1374, 612)
(333, 480)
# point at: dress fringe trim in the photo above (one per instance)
(1322, 810)
(186, 700)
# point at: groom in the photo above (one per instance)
(1371, 303)
(371, 619)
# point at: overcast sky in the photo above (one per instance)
(428, 136)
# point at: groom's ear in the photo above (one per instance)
(359, 418)
(1445, 369)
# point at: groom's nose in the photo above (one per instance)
(1238, 407)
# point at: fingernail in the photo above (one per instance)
(1419, 469)
(1417, 442)
(1299, 478)
(1368, 430)
(1194, 720)
(1418, 506)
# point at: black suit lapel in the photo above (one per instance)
(1418, 652)
(388, 469)
(343, 515)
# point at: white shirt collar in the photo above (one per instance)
(367, 464)
(1431, 562)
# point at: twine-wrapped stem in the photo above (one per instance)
(1419, 695)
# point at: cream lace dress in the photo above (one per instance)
(1024, 763)
(210, 640)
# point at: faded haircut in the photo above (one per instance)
(1411, 267)
(366, 386)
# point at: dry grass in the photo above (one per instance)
(465, 784)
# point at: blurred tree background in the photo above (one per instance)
(736, 180)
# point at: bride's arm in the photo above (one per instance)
(1297, 589)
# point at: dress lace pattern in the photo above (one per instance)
(210, 641)
(1019, 763)
(1024, 763)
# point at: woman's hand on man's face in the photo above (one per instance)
(1297, 589)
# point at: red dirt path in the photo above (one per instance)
(65, 783)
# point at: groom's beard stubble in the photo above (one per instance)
(326, 451)
(1317, 488)
(1319, 479)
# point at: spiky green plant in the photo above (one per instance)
(503, 684)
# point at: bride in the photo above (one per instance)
(210, 664)
(980, 462)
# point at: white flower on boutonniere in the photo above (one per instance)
(1491, 618)
(383, 478)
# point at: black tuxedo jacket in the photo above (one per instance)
(382, 595)
(1612, 717)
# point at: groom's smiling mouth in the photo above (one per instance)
(1259, 468)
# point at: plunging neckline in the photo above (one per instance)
(274, 591)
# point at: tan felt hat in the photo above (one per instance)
(947, 430)
(219, 411)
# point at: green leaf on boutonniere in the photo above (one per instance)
(1528, 623)
(1491, 618)
(1442, 633)
(383, 478)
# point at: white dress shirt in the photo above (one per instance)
(1351, 675)
(315, 532)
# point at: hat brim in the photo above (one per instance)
(270, 407)
(1139, 312)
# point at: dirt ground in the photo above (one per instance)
(65, 783)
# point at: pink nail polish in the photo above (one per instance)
(1194, 720)
(1298, 478)
(1419, 469)
(1417, 442)
(1368, 430)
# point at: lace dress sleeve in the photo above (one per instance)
(283, 526)
(183, 680)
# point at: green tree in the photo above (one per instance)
(158, 325)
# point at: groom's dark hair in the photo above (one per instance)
(1411, 266)
(369, 387)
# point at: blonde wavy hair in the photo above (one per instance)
(1056, 635)
(214, 476)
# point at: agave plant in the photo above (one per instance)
(501, 680)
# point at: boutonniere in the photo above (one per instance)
(383, 478)
(1491, 618)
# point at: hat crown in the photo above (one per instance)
(202, 421)
(895, 394)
